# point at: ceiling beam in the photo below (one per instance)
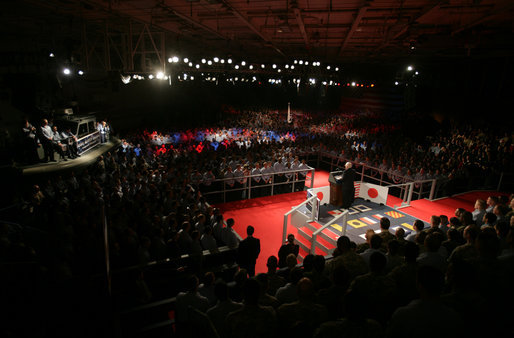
(355, 25)
(251, 26)
(299, 19)
(422, 14)
(489, 16)
(196, 23)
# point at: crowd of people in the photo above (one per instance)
(154, 193)
(450, 278)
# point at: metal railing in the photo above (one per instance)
(405, 187)
(311, 199)
(250, 185)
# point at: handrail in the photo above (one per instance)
(263, 174)
(301, 204)
(286, 215)
(334, 219)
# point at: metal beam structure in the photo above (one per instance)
(355, 24)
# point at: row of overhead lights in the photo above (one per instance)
(242, 79)
(217, 61)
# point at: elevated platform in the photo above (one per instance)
(363, 215)
(86, 159)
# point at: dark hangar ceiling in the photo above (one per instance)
(115, 31)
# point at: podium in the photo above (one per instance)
(336, 189)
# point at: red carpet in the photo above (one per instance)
(266, 214)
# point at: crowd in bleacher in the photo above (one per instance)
(150, 191)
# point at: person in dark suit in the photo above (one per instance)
(348, 189)
(288, 248)
(248, 251)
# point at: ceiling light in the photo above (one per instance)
(216, 59)
(66, 71)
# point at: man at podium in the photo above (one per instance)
(348, 190)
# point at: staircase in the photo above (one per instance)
(325, 243)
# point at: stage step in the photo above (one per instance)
(327, 234)
(304, 241)
(326, 241)
(306, 232)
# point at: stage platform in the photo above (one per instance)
(362, 215)
(86, 159)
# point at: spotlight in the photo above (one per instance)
(416, 73)
(175, 59)
(236, 66)
(51, 55)
(203, 61)
(66, 71)
(274, 66)
(186, 60)
(292, 67)
(295, 62)
(216, 59)
(263, 66)
(150, 76)
(222, 60)
(337, 69)
(250, 67)
(353, 84)
(287, 66)
(279, 70)
(190, 64)
(229, 60)
(300, 62)
(197, 66)
(170, 60)
(209, 62)
(328, 67)
(243, 63)
(410, 68)
(159, 75)
(396, 83)
(80, 72)
(306, 63)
